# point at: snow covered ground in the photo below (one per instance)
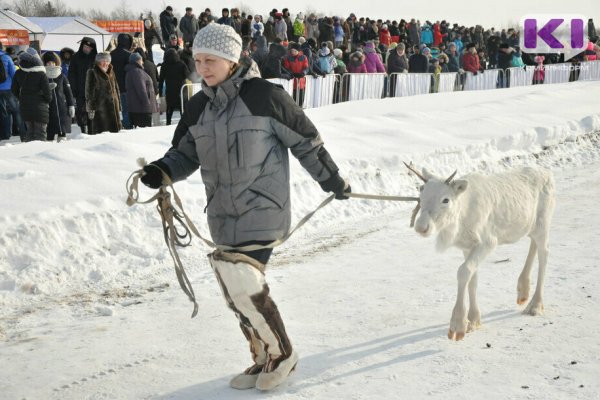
(90, 307)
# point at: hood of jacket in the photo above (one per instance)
(91, 42)
(131, 66)
(277, 50)
(37, 68)
(124, 41)
(53, 72)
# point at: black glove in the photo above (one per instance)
(153, 176)
(475, 73)
(337, 185)
(298, 75)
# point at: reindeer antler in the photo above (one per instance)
(451, 177)
(414, 171)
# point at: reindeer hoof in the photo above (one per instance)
(455, 335)
(473, 326)
(534, 309)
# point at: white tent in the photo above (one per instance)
(68, 32)
(12, 21)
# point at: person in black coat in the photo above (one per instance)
(418, 62)
(62, 106)
(151, 34)
(168, 23)
(30, 84)
(140, 92)
(272, 66)
(83, 60)
(120, 58)
(173, 73)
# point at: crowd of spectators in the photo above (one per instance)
(42, 94)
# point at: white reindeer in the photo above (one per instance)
(476, 213)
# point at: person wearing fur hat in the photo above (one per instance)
(357, 63)
(62, 106)
(237, 131)
(66, 55)
(30, 85)
(103, 99)
(140, 92)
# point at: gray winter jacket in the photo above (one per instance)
(238, 135)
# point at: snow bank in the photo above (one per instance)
(65, 228)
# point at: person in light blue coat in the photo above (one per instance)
(427, 34)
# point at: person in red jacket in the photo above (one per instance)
(437, 35)
(385, 38)
(470, 60)
(297, 64)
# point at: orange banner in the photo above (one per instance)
(121, 26)
(14, 37)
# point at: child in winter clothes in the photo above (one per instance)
(257, 27)
(30, 85)
(372, 59)
(326, 61)
(62, 106)
(357, 63)
(341, 66)
(384, 37)
(539, 73)
(297, 64)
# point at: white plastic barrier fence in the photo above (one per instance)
(557, 73)
(187, 91)
(519, 76)
(190, 89)
(320, 91)
(447, 82)
(410, 84)
(363, 86)
(589, 71)
(485, 80)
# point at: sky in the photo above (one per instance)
(467, 12)
(90, 307)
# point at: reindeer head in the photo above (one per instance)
(437, 200)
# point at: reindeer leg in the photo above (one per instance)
(536, 305)
(474, 314)
(525, 277)
(458, 321)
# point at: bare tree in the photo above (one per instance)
(95, 14)
(122, 12)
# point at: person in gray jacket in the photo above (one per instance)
(188, 25)
(238, 130)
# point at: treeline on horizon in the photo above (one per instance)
(57, 8)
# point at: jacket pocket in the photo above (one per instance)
(267, 194)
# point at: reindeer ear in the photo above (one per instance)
(459, 186)
(426, 174)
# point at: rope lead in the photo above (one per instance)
(178, 227)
